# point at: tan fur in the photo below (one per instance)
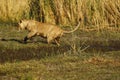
(49, 31)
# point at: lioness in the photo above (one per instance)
(49, 31)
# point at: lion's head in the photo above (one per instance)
(23, 24)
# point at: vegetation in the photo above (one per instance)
(90, 57)
(99, 13)
(91, 53)
(85, 66)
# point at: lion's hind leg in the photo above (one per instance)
(57, 40)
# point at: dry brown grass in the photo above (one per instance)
(94, 13)
(100, 60)
(12, 9)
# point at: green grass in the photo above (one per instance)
(39, 61)
(84, 66)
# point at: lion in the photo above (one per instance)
(45, 30)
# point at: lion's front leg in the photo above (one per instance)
(30, 35)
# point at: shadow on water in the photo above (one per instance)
(16, 40)
(21, 41)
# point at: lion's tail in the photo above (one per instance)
(74, 28)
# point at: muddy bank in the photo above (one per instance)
(104, 45)
(11, 55)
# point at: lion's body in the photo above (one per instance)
(49, 31)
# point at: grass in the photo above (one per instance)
(39, 61)
(103, 13)
(91, 53)
(62, 67)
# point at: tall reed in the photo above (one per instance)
(94, 13)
